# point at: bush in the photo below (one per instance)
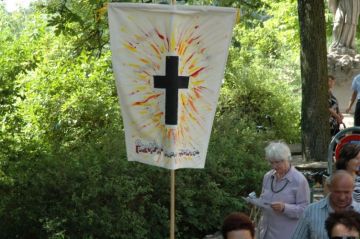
(95, 193)
(63, 168)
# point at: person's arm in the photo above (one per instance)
(351, 102)
(302, 200)
(337, 116)
(341, 116)
(265, 179)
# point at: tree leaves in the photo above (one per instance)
(63, 168)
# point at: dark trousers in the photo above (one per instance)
(334, 130)
(357, 114)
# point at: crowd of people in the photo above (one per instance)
(286, 211)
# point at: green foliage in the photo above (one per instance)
(69, 101)
(234, 168)
(249, 95)
(83, 19)
(262, 76)
(20, 44)
(63, 168)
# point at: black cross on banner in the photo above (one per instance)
(171, 82)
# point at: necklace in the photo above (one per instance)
(272, 187)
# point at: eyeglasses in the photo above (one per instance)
(345, 237)
(276, 162)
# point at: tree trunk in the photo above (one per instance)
(314, 108)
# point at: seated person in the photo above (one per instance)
(237, 225)
(345, 224)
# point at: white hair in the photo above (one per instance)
(277, 151)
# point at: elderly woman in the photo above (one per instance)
(349, 160)
(286, 191)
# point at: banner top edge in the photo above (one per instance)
(172, 7)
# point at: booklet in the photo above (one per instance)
(259, 202)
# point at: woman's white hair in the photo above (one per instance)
(277, 151)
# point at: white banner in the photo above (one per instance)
(169, 62)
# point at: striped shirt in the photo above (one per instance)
(312, 223)
(356, 193)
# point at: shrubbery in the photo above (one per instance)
(63, 168)
(70, 178)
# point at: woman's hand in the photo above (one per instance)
(339, 118)
(278, 206)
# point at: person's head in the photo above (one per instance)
(238, 225)
(279, 156)
(349, 158)
(331, 81)
(341, 187)
(343, 224)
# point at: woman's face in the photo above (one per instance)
(353, 164)
(331, 83)
(280, 166)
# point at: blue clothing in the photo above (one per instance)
(293, 190)
(312, 223)
(356, 193)
(355, 85)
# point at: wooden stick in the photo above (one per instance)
(172, 206)
(172, 197)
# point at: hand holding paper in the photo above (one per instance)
(259, 202)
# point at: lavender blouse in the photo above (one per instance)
(293, 190)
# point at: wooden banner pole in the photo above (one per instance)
(172, 197)
(172, 206)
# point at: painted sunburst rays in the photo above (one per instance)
(147, 50)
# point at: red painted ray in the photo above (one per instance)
(193, 39)
(146, 100)
(159, 35)
(196, 73)
(189, 58)
(168, 43)
(197, 92)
